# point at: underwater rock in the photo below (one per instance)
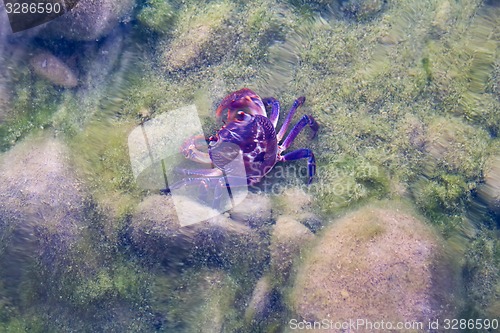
(42, 206)
(199, 300)
(382, 255)
(157, 16)
(296, 203)
(442, 19)
(361, 9)
(155, 230)
(259, 306)
(99, 62)
(490, 190)
(294, 200)
(288, 237)
(51, 68)
(230, 244)
(89, 20)
(215, 312)
(4, 94)
(254, 211)
(456, 146)
(200, 38)
(415, 132)
(4, 99)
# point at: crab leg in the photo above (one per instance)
(275, 109)
(298, 102)
(233, 181)
(218, 193)
(200, 172)
(305, 120)
(299, 154)
(191, 181)
(191, 152)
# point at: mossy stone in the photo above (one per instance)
(157, 15)
(201, 36)
(456, 146)
(384, 255)
(362, 9)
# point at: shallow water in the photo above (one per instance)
(406, 187)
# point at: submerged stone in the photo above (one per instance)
(362, 9)
(376, 263)
(298, 205)
(42, 207)
(490, 189)
(90, 19)
(51, 68)
(456, 146)
(199, 300)
(200, 38)
(254, 211)
(260, 303)
(156, 232)
(288, 238)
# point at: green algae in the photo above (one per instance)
(457, 147)
(124, 282)
(23, 324)
(461, 66)
(339, 257)
(101, 156)
(201, 300)
(442, 200)
(31, 109)
(382, 91)
(483, 275)
(158, 16)
(348, 181)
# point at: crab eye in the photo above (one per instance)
(240, 116)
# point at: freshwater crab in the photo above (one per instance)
(249, 131)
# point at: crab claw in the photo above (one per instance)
(242, 100)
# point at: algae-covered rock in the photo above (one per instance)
(227, 243)
(297, 204)
(254, 211)
(442, 18)
(456, 146)
(490, 190)
(157, 15)
(51, 68)
(197, 301)
(361, 9)
(376, 263)
(38, 188)
(42, 206)
(288, 238)
(155, 230)
(260, 303)
(4, 99)
(200, 37)
(90, 19)
(293, 201)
